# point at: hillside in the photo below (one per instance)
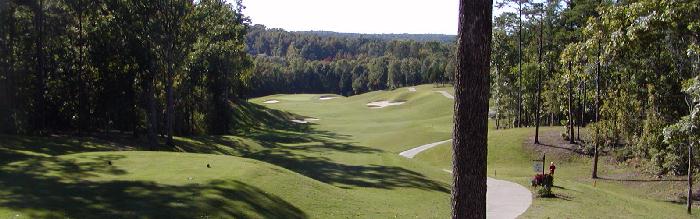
(295, 156)
(272, 168)
(387, 36)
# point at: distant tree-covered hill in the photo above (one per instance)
(327, 62)
(402, 36)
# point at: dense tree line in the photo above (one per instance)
(302, 62)
(622, 68)
(443, 38)
(155, 67)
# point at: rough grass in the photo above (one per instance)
(577, 197)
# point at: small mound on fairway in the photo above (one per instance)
(271, 101)
(382, 104)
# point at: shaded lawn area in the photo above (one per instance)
(40, 177)
(56, 188)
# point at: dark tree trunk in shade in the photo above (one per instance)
(689, 202)
(571, 107)
(152, 114)
(471, 109)
(40, 81)
(498, 94)
(539, 88)
(520, 64)
(594, 174)
(579, 109)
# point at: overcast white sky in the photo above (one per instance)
(357, 16)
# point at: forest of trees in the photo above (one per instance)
(307, 62)
(626, 70)
(443, 38)
(169, 67)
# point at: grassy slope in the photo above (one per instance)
(280, 169)
(344, 165)
(426, 116)
(507, 159)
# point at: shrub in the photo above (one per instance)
(544, 180)
(565, 135)
(545, 192)
(674, 156)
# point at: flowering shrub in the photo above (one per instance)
(546, 181)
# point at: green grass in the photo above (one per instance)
(578, 198)
(346, 164)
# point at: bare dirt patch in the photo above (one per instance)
(552, 144)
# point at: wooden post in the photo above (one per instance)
(543, 163)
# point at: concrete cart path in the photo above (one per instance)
(412, 152)
(504, 199)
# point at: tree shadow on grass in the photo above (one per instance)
(42, 194)
(67, 169)
(349, 176)
(303, 148)
(305, 155)
(15, 148)
(642, 180)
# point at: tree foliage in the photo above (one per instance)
(132, 66)
(641, 50)
(309, 62)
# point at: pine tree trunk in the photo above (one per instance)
(583, 109)
(539, 89)
(594, 174)
(169, 99)
(690, 177)
(471, 109)
(498, 98)
(571, 108)
(520, 63)
(40, 122)
(170, 109)
(152, 114)
(578, 114)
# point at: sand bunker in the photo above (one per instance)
(327, 97)
(382, 104)
(304, 121)
(271, 101)
(412, 89)
(444, 93)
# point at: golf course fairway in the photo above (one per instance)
(338, 159)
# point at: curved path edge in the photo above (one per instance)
(504, 199)
(410, 153)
